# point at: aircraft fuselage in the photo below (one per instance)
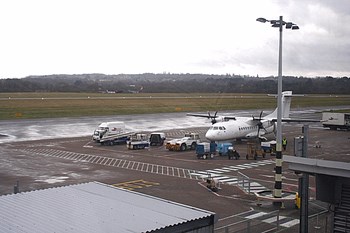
(237, 129)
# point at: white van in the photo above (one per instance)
(107, 129)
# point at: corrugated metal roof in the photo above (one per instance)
(91, 207)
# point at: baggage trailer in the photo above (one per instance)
(206, 150)
(137, 142)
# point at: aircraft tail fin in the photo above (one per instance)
(286, 101)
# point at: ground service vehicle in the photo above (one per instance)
(212, 184)
(269, 147)
(111, 133)
(206, 150)
(137, 141)
(254, 150)
(223, 148)
(157, 139)
(232, 153)
(334, 120)
(189, 142)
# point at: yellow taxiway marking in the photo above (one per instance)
(135, 184)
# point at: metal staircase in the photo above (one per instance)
(342, 212)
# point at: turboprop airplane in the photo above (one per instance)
(230, 127)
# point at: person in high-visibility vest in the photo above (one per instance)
(284, 143)
(297, 200)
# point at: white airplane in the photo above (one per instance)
(231, 128)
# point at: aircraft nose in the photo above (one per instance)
(209, 135)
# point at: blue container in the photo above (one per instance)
(223, 148)
(200, 149)
(212, 147)
(205, 150)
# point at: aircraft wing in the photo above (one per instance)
(201, 115)
(296, 120)
(212, 117)
(229, 118)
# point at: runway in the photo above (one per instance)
(38, 129)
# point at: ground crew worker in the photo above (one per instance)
(284, 143)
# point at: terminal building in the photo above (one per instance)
(96, 207)
(332, 186)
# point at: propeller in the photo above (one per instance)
(274, 129)
(209, 116)
(213, 118)
(260, 124)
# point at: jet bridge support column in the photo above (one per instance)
(304, 188)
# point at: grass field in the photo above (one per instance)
(49, 105)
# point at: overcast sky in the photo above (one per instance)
(39, 37)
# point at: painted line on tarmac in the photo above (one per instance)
(270, 218)
(135, 184)
(114, 162)
(144, 167)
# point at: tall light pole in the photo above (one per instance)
(277, 193)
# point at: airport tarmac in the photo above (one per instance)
(175, 176)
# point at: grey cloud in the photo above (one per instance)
(325, 53)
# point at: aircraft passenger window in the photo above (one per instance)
(215, 128)
(220, 128)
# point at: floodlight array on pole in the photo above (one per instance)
(277, 193)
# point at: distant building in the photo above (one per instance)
(96, 207)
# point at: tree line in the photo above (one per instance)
(174, 83)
